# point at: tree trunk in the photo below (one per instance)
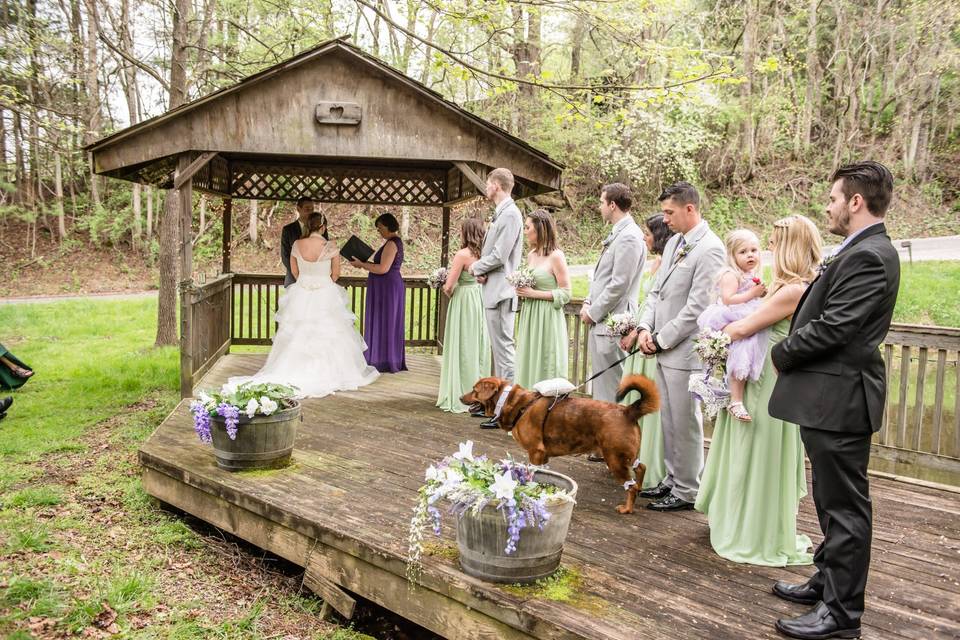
(149, 192)
(253, 220)
(92, 86)
(169, 222)
(576, 46)
(58, 179)
(812, 76)
(20, 169)
(137, 215)
(746, 88)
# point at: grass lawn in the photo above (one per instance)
(929, 293)
(83, 550)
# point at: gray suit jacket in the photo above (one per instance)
(616, 278)
(680, 293)
(501, 253)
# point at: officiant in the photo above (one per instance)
(293, 232)
(386, 300)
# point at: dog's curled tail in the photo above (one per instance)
(649, 396)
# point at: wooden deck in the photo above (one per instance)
(342, 512)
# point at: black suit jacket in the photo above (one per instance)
(831, 373)
(289, 235)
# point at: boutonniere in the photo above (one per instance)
(687, 248)
(826, 262)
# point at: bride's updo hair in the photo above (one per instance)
(316, 222)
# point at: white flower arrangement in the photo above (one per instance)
(620, 324)
(522, 278)
(438, 278)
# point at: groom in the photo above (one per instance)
(685, 285)
(500, 257)
(293, 232)
(831, 382)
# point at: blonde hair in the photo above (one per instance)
(796, 251)
(504, 178)
(733, 242)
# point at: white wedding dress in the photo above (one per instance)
(316, 348)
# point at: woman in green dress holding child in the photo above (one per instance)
(655, 233)
(754, 476)
(466, 347)
(542, 330)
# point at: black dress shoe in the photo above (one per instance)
(655, 493)
(489, 424)
(592, 457)
(816, 624)
(477, 414)
(800, 593)
(5, 404)
(670, 503)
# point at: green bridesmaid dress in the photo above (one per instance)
(651, 437)
(542, 333)
(466, 347)
(753, 480)
(8, 379)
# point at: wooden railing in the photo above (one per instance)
(921, 428)
(920, 437)
(255, 300)
(206, 330)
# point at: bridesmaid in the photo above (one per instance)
(754, 476)
(656, 233)
(386, 300)
(542, 330)
(466, 347)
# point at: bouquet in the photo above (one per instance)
(232, 401)
(710, 386)
(522, 278)
(438, 278)
(620, 324)
(470, 483)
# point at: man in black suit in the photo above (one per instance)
(831, 382)
(291, 233)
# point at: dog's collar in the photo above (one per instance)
(502, 400)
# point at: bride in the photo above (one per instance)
(316, 349)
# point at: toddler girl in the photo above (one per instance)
(740, 291)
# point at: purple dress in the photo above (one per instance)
(383, 318)
(745, 357)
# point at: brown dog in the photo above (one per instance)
(574, 425)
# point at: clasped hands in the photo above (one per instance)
(642, 339)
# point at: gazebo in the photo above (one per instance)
(333, 124)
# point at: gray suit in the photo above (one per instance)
(614, 289)
(499, 257)
(684, 287)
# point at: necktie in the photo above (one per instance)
(680, 246)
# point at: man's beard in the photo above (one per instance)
(841, 227)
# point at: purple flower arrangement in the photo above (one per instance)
(469, 484)
(712, 347)
(232, 401)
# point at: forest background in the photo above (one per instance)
(755, 102)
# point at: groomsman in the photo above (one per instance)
(293, 232)
(614, 288)
(500, 257)
(831, 382)
(685, 285)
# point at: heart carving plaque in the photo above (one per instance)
(341, 113)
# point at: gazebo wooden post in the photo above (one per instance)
(444, 262)
(227, 228)
(185, 198)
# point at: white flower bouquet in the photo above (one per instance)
(710, 386)
(438, 278)
(620, 324)
(522, 278)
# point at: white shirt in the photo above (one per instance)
(853, 235)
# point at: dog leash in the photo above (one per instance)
(596, 375)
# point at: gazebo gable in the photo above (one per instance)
(334, 124)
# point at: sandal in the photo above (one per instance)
(20, 372)
(738, 411)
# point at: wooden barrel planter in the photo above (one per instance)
(263, 442)
(482, 539)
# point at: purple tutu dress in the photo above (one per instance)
(746, 357)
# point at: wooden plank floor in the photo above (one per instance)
(344, 507)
